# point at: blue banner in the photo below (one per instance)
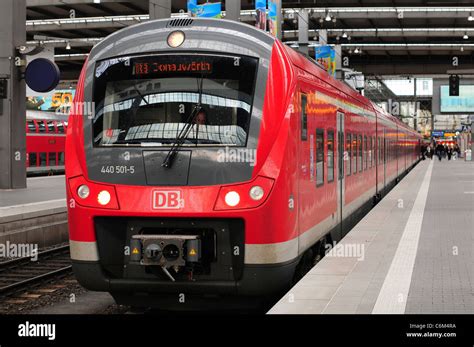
(207, 10)
(192, 7)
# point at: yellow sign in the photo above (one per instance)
(192, 252)
(135, 251)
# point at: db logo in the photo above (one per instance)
(167, 200)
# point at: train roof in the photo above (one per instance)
(43, 115)
(312, 67)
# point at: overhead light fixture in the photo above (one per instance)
(96, 1)
(344, 35)
(350, 51)
(465, 37)
(349, 38)
(334, 20)
(321, 20)
(328, 17)
(356, 51)
(462, 49)
(470, 18)
(68, 46)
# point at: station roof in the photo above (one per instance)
(392, 37)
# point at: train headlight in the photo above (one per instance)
(176, 39)
(257, 193)
(103, 198)
(83, 191)
(232, 198)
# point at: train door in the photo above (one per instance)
(340, 169)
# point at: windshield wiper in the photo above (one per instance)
(178, 143)
(190, 121)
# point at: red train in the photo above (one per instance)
(218, 161)
(45, 142)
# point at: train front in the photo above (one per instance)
(174, 173)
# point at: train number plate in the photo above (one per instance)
(167, 200)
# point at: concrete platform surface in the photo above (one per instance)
(40, 189)
(412, 253)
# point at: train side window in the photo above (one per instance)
(42, 159)
(348, 158)
(52, 159)
(370, 151)
(330, 155)
(41, 126)
(33, 159)
(381, 150)
(365, 153)
(354, 154)
(61, 158)
(359, 158)
(60, 127)
(319, 157)
(373, 151)
(304, 118)
(51, 128)
(31, 126)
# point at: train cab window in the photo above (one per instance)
(147, 101)
(304, 118)
(354, 153)
(359, 157)
(330, 155)
(319, 157)
(41, 126)
(52, 159)
(51, 127)
(31, 126)
(366, 157)
(348, 154)
(42, 159)
(33, 159)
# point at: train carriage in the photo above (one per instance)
(218, 161)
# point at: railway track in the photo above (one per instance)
(23, 273)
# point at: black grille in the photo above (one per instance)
(180, 22)
(220, 236)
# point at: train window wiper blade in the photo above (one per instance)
(178, 143)
(190, 121)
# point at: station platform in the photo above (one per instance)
(413, 253)
(36, 214)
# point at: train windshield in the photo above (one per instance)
(147, 101)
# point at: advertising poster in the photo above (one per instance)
(59, 99)
(261, 8)
(326, 56)
(273, 9)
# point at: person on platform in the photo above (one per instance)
(439, 151)
(449, 152)
(429, 152)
